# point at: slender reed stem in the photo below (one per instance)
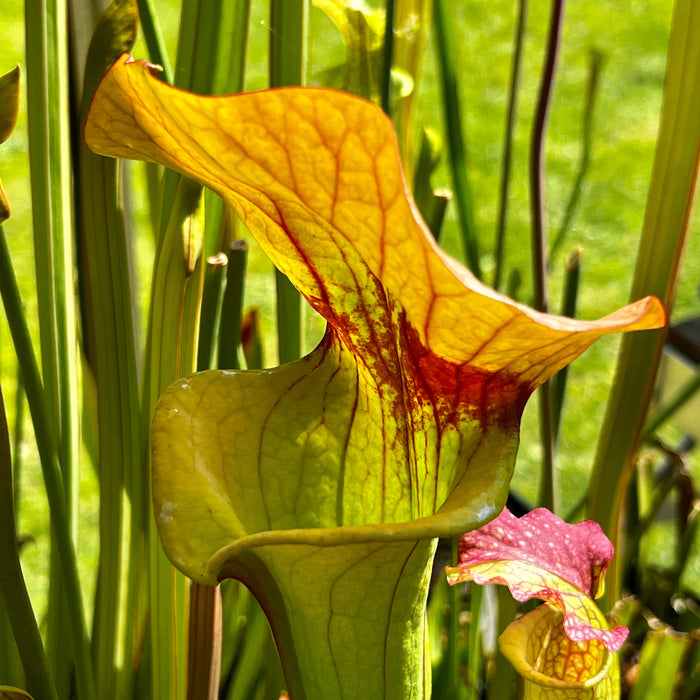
(549, 497)
(205, 619)
(539, 241)
(289, 21)
(571, 286)
(504, 189)
(476, 656)
(17, 439)
(232, 306)
(212, 297)
(154, 38)
(48, 89)
(12, 585)
(289, 24)
(537, 194)
(447, 59)
(176, 296)
(388, 57)
(53, 479)
(667, 220)
(109, 344)
(228, 75)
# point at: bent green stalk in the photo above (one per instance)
(12, 585)
(53, 479)
(666, 220)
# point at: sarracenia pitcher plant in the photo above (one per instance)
(563, 648)
(322, 484)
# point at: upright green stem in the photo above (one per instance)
(110, 349)
(154, 38)
(537, 184)
(49, 155)
(549, 489)
(289, 28)
(171, 354)
(17, 440)
(289, 21)
(571, 286)
(205, 659)
(212, 46)
(212, 296)
(549, 497)
(228, 73)
(666, 221)
(476, 656)
(53, 479)
(232, 306)
(508, 143)
(447, 59)
(388, 56)
(52, 206)
(12, 585)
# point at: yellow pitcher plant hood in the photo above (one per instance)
(403, 423)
